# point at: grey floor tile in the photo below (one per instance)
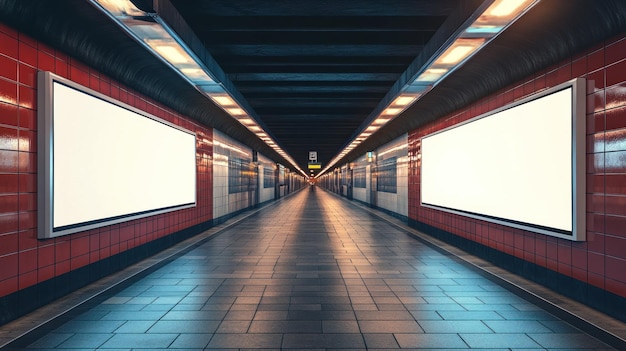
(430, 341)
(85, 341)
(380, 341)
(579, 340)
(436, 327)
(501, 340)
(187, 341)
(140, 341)
(323, 341)
(241, 341)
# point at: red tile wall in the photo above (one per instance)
(25, 260)
(601, 260)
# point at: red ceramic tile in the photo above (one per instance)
(564, 254)
(27, 141)
(45, 273)
(579, 67)
(615, 162)
(27, 279)
(27, 54)
(9, 243)
(62, 251)
(8, 183)
(579, 258)
(615, 287)
(9, 161)
(614, 268)
(27, 162)
(595, 280)
(615, 140)
(8, 45)
(595, 203)
(8, 113)
(46, 256)
(27, 75)
(27, 118)
(616, 73)
(595, 143)
(61, 68)
(8, 138)
(595, 222)
(8, 223)
(8, 92)
(27, 97)
(615, 96)
(28, 220)
(616, 118)
(615, 225)
(94, 256)
(579, 274)
(615, 184)
(596, 163)
(595, 82)
(564, 73)
(8, 286)
(27, 261)
(62, 267)
(79, 76)
(27, 182)
(8, 68)
(9, 265)
(8, 203)
(28, 239)
(80, 246)
(615, 205)
(595, 102)
(595, 60)
(615, 51)
(45, 61)
(595, 263)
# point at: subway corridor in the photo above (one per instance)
(311, 271)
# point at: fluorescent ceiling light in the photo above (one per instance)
(505, 8)
(197, 75)
(458, 51)
(404, 100)
(170, 51)
(236, 111)
(392, 111)
(120, 8)
(431, 75)
(223, 100)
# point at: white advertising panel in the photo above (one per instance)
(104, 162)
(521, 165)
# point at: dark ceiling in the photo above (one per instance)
(316, 71)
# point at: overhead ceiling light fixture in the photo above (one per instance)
(485, 26)
(155, 35)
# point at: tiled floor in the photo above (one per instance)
(312, 272)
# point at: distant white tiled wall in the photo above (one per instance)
(396, 202)
(265, 194)
(223, 149)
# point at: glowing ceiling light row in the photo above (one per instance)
(152, 32)
(469, 40)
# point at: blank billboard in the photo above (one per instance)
(521, 165)
(104, 162)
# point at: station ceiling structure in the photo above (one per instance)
(312, 75)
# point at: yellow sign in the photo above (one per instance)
(315, 166)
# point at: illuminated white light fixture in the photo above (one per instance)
(468, 40)
(154, 34)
